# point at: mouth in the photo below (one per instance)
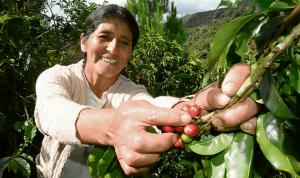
(110, 61)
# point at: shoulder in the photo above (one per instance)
(60, 72)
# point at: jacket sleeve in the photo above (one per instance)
(55, 112)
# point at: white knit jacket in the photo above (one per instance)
(61, 95)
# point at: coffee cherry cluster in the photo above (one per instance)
(187, 132)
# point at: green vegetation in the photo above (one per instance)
(171, 58)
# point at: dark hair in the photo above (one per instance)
(106, 12)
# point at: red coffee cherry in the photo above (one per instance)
(191, 129)
(167, 129)
(179, 143)
(195, 110)
(179, 129)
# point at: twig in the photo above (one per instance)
(264, 63)
(286, 22)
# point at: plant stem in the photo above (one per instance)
(252, 82)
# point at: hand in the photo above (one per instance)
(137, 149)
(242, 113)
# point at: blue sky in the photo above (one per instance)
(183, 6)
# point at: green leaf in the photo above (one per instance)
(6, 17)
(93, 158)
(272, 99)
(280, 6)
(19, 164)
(238, 158)
(182, 76)
(225, 36)
(264, 4)
(105, 161)
(3, 164)
(218, 166)
(270, 139)
(212, 146)
(206, 166)
(294, 77)
(265, 33)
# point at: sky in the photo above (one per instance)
(183, 6)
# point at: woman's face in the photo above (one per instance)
(108, 49)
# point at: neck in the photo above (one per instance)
(99, 84)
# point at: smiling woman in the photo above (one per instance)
(92, 103)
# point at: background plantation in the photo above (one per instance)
(175, 57)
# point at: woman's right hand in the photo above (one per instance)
(125, 129)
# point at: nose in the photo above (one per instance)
(112, 46)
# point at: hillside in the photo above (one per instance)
(202, 26)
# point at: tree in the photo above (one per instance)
(268, 40)
(150, 15)
(31, 40)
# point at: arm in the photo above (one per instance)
(55, 111)
(124, 129)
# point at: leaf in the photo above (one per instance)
(280, 6)
(93, 158)
(266, 31)
(270, 139)
(264, 4)
(272, 99)
(218, 166)
(225, 36)
(182, 76)
(294, 77)
(105, 162)
(238, 158)
(3, 164)
(212, 146)
(19, 164)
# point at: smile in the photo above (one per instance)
(110, 61)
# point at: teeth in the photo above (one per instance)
(111, 61)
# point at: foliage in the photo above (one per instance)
(268, 40)
(31, 40)
(163, 66)
(150, 15)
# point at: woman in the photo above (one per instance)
(91, 103)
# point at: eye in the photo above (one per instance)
(124, 43)
(103, 37)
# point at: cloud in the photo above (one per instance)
(193, 6)
(183, 7)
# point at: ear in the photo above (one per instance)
(83, 42)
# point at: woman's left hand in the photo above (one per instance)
(240, 114)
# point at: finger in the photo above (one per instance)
(136, 159)
(128, 170)
(236, 114)
(216, 99)
(152, 143)
(235, 78)
(162, 116)
(249, 126)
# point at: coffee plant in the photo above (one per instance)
(268, 40)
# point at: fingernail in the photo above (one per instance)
(217, 122)
(223, 100)
(186, 118)
(228, 87)
(247, 126)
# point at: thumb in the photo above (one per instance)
(163, 116)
